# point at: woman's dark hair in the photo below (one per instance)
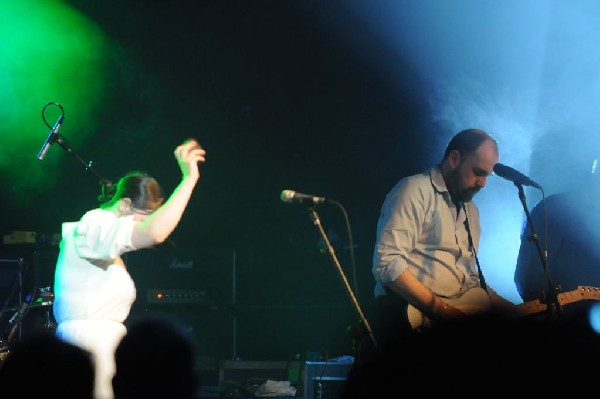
(467, 142)
(143, 190)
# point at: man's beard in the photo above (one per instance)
(468, 194)
(462, 195)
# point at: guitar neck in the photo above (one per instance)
(564, 298)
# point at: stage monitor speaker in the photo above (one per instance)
(325, 379)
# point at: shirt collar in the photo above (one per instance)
(437, 180)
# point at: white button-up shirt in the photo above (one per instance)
(420, 229)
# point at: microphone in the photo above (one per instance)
(51, 138)
(15, 320)
(515, 176)
(22, 309)
(291, 196)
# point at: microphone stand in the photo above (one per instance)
(16, 319)
(331, 251)
(106, 184)
(88, 165)
(550, 298)
(17, 285)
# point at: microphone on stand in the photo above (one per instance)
(515, 176)
(51, 138)
(290, 196)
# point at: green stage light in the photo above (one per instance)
(49, 53)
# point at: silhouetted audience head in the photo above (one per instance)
(46, 366)
(155, 359)
(480, 354)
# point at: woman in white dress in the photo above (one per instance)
(92, 287)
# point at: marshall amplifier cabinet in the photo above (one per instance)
(195, 287)
(183, 276)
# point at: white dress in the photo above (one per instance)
(93, 290)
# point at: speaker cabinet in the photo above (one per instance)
(194, 287)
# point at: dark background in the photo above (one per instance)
(282, 95)
(337, 98)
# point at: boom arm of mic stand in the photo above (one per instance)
(331, 252)
(551, 297)
(88, 165)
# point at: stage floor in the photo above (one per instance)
(310, 379)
